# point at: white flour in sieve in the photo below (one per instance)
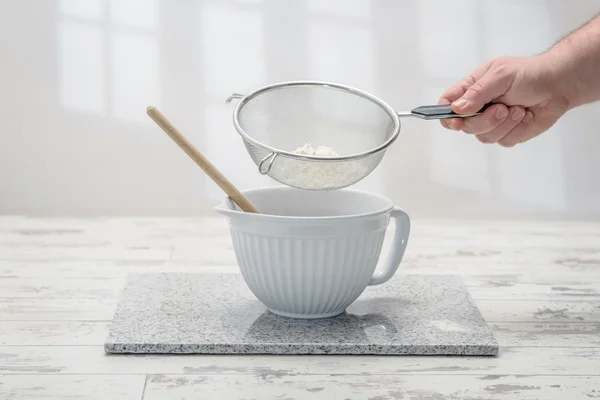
(321, 151)
(317, 175)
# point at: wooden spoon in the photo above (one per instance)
(199, 158)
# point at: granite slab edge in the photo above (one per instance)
(307, 349)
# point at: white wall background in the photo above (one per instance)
(76, 77)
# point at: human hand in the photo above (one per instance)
(526, 91)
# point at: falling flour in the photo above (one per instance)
(321, 174)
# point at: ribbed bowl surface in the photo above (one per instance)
(304, 277)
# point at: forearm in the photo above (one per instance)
(576, 63)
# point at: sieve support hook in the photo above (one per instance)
(271, 157)
(235, 96)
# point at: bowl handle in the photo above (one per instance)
(390, 266)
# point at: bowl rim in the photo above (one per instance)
(226, 207)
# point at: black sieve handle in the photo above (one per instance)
(442, 111)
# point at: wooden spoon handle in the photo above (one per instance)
(201, 160)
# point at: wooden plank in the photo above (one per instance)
(88, 387)
(577, 255)
(92, 270)
(16, 222)
(450, 224)
(219, 251)
(91, 360)
(207, 240)
(53, 309)
(489, 287)
(467, 265)
(119, 231)
(116, 269)
(53, 333)
(56, 237)
(79, 288)
(539, 311)
(460, 234)
(102, 309)
(78, 333)
(83, 253)
(493, 257)
(516, 240)
(430, 387)
(510, 287)
(547, 334)
(57, 309)
(532, 226)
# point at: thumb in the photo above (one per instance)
(490, 86)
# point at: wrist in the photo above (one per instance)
(574, 63)
(560, 75)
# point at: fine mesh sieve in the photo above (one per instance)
(276, 120)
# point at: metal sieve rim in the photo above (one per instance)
(275, 152)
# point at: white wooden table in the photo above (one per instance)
(536, 283)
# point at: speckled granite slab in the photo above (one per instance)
(217, 314)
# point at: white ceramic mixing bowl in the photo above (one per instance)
(310, 254)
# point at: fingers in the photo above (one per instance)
(498, 124)
(457, 90)
(515, 116)
(519, 133)
(491, 86)
(491, 118)
(444, 122)
(532, 132)
(455, 124)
